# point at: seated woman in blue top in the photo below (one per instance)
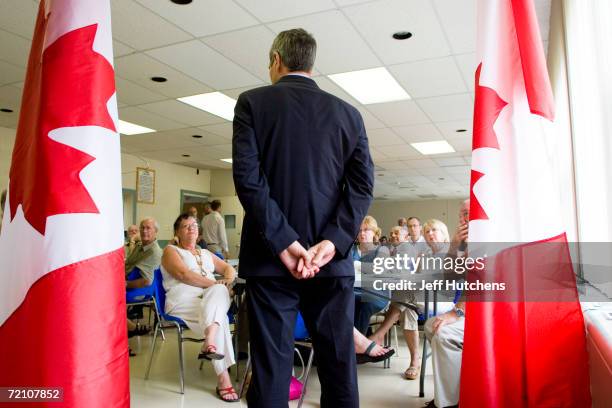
(364, 253)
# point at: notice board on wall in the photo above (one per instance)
(145, 185)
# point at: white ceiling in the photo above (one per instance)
(223, 45)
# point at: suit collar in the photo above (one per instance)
(298, 79)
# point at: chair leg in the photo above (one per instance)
(158, 319)
(244, 377)
(387, 344)
(157, 328)
(180, 351)
(306, 374)
(397, 354)
(150, 313)
(423, 367)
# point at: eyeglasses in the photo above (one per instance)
(189, 226)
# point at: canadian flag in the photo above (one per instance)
(525, 348)
(62, 290)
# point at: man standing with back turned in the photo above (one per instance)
(304, 176)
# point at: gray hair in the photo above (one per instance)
(297, 49)
(155, 223)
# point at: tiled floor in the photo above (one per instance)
(378, 387)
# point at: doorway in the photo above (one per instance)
(194, 199)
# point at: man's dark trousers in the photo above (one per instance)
(327, 306)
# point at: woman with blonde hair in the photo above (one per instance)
(436, 235)
(364, 253)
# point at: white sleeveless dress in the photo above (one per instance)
(199, 307)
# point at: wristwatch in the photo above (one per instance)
(459, 312)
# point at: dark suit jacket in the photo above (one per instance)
(302, 171)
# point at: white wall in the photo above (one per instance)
(222, 183)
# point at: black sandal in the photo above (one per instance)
(365, 357)
(210, 354)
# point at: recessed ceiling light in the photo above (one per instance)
(6, 110)
(374, 85)
(460, 130)
(402, 35)
(197, 136)
(127, 128)
(213, 102)
(437, 147)
(181, 2)
(226, 160)
(186, 155)
(158, 79)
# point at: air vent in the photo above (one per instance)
(427, 196)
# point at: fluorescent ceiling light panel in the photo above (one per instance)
(371, 85)
(127, 128)
(437, 147)
(226, 160)
(213, 102)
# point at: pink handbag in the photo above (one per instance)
(295, 389)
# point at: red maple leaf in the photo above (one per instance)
(487, 107)
(67, 85)
(476, 210)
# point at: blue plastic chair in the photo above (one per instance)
(141, 296)
(167, 321)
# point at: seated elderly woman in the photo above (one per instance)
(437, 238)
(364, 254)
(194, 295)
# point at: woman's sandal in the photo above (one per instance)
(222, 392)
(365, 357)
(412, 373)
(210, 354)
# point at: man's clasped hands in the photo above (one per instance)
(306, 263)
